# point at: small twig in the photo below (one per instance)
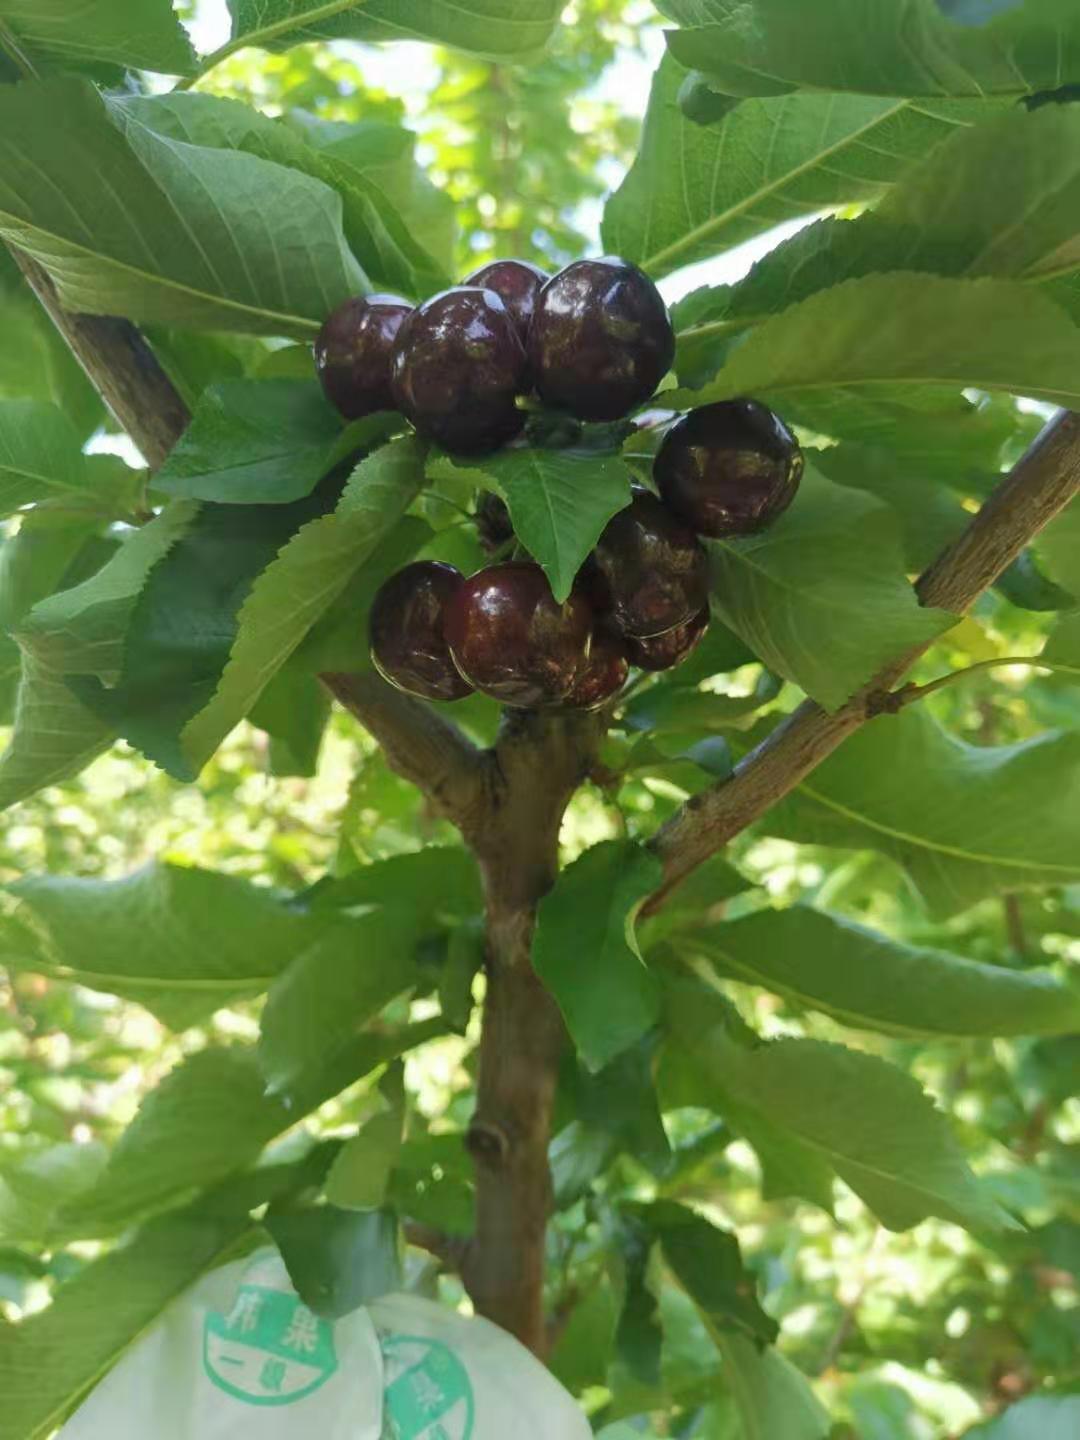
(908, 694)
(449, 1250)
(1014, 924)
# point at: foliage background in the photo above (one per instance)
(907, 1336)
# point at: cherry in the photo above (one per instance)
(663, 652)
(352, 353)
(406, 629)
(603, 674)
(457, 366)
(601, 339)
(493, 525)
(517, 284)
(512, 640)
(652, 569)
(729, 469)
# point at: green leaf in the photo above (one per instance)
(822, 596)
(1063, 647)
(586, 954)
(868, 1120)
(299, 587)
(918, 330)
(398, 225)
(965, 821)
(772, 1397)
(32, 1190)
(708, 1264)
(264, 442)
(183, 942)
(1059, 548)
(334, 988)
(293, 710)
(438, 880)
(559, 501)
(50, 1361)
(40, 456)
(502, 29)
(865, 47)
(82, 631)
(260, 249)
(142, 34)
(361, 1172)
(338, 1259)
(55, 736)
(1038, 1417)
(696, 190)
(872, 982)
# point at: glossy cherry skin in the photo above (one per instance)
(603, 674)
(406, 629)
(457, 366)
(652, 570)
(517, 284)
(663, 652)
(601, 340)
(729, 469)
(510, 639)
(493, 524)
(352, 353)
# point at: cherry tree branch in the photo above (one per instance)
(1040, 485)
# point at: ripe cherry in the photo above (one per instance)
(603, 674)
(406, 629)
(652, 569)
(601, 340)
(352, 353)
(457, 366)
(517, 284)
(663, 652)
(512, 640)
(729, 469)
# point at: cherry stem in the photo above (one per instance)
(908, 694)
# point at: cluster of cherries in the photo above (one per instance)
(593, 341)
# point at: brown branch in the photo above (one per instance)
(1041, 484)
(449, 1250)
(421, 747)
(121, 366)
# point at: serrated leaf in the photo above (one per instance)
(297, 588)
(317, 1005)
(54, 736)
(822, 596)
(870, 981)
(865, 47)
(183, 942)
(82, 631)
(496, 28)
(293, 710)
(964, 820)
(338, 1259)
(264, 442)
(868, 1120)
(50, 1361)
(399, 226)
(696, 190)
(612, 1000)
(260, 247)
(918, 330)
(773, 1397)
(40, 456)
(438, 880)
(708, 1264)
(559, 501)
(142, 34)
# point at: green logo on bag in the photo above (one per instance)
(269, 1350)
(426, 1391)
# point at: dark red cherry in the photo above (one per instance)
(456, 368)
(352, 353)
(406, 629)
(652, 569)
(603, 674)
(601, 340)
(512, 640)
(729, 469)
(517, 284)
(493, 525)
(662, 652)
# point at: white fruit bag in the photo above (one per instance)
(239, 1356)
